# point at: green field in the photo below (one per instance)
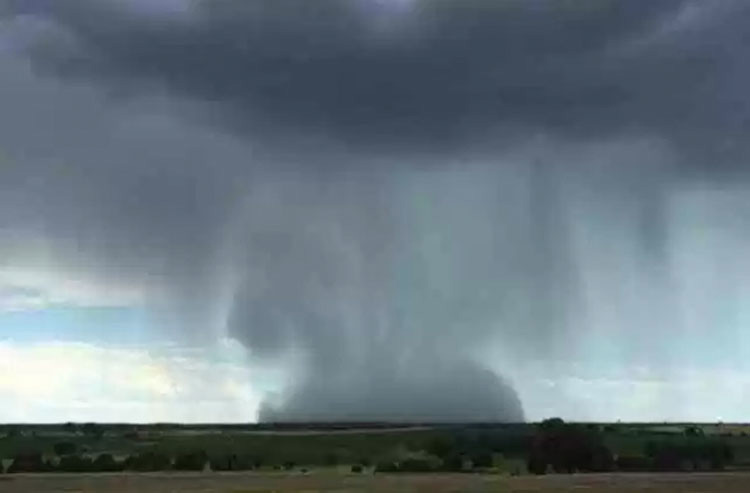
(501, 449)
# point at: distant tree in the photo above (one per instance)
(693, 431)
(386, 466)
(693, 453)
(441, 446)
(568, 448)
(75, 463)
(633, 463)
(93, 430)
(192, 461)
(537, 462)
(331, 459)
(223, 462)
(147, 461)
(452, 463)
(415, 465)
(257, 462)
(106, 463)
(481, 459)
(552, 424)
(65, 448)
(30, 462)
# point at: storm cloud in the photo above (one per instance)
(373, 192)
(423, 73)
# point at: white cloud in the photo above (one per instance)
(56, 382)
(33, 289)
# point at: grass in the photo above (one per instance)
(313, 450)
(438, 483)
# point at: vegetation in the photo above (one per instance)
(65, 448)
(193, 461)
(550, 446)
(568, 448)
(147, 461)
(29, 462)
(106, 463)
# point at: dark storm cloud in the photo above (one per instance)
(430, 393)
(387, 212)
(428, 73)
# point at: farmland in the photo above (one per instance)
(253, 482)
(366, 457)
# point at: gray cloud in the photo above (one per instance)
(430, 74)
(360, 189)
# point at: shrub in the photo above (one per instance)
(193, 461)
(692, 454)
(633, 464)
(233, 462)
(441, 446)
(415, 465)
(65, 448)
(357, 468)
(568, 448)
(331, 459)
(537, 462)
(693, 431)
(452, 463)
(386, 466)
(106, 463)
(148, 461)
(75, 463)
(29, 463)
(93, 430)
(481, 459)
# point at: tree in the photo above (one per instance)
(386, 466)
(693, 431)
(415, 465)
(452, 463)
(193, 461)
(65, 448)
(481, 459)
(691, 453)
(331, 459)
(75, 463)
(30, 462)
(93, 430)
(147, 461)
(106, 463)
(568, 448)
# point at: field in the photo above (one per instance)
(344, 458)
(427, 483)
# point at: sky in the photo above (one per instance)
(412, 210)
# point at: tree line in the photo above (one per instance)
(567, 448)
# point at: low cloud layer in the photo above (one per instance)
(374, 192)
